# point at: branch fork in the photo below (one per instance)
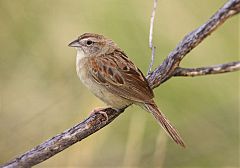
(169, 67)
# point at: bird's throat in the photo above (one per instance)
(80, 54)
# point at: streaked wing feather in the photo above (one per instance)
(120, 76)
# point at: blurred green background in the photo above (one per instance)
(41, 95)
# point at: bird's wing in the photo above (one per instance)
(120, 76)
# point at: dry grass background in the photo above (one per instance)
(41, 96)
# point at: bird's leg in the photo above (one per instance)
(99, 111)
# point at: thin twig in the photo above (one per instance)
(215, 69)
(166, 69)
(151, 46)
(97, 121)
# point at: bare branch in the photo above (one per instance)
(151, 23)
(151, 46)
(62, 141)
(190, 41)
(152, 60)
(215, 69)
(97, 121)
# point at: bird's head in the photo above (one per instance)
(90, 44)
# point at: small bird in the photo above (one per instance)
(111, 76)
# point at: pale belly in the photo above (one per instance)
(99, 90)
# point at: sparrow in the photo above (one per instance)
(111, 76)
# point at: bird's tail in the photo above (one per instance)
(165, 124)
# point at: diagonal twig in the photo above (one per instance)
(215, 69)
(62, 141)
(190, 41)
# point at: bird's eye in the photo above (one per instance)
(89, 42)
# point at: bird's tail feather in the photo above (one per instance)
(166, 125)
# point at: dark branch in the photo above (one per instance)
(215, 69)
(190, 41)
(97, 121)
(62, 141)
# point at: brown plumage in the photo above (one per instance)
(106, 70)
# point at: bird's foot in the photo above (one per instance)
(99, 111)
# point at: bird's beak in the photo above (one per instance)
(75, 43)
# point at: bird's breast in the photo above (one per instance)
(97, 89)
